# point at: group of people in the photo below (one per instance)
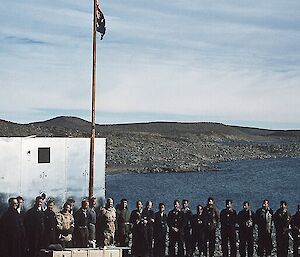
(25, 233)
(188, 232)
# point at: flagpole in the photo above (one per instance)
(93, 123)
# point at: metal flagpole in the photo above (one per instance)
(92, 143)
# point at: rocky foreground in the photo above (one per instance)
(169, 147)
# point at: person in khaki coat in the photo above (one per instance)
(107, 224)
(65, 226)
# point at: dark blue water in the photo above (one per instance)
(275, 179)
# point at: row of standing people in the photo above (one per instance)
(25, 233)
(188, 231)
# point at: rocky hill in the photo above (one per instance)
(168, 146)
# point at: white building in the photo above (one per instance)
(58, 167)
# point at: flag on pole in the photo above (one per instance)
(100, 22)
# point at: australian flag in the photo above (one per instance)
(100, 22)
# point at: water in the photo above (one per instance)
(254, 180)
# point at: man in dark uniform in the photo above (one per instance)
(160, 231)
(187, 227)
(148, 217)
(199, 228)
(81, 232)
(35, 227)
(282, 221)
(246, 220)
(12, 231)
(228, 219)
(296, 232)
(264, 219)
(139, 232)
(212, 222)
(123, 224)
(51, 235)
(175, 223)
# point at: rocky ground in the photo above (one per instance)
(169, 147)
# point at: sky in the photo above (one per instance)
(234, 62)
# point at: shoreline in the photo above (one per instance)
(214, 168)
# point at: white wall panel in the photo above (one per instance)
(67, 174)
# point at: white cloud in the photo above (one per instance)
(227, 59)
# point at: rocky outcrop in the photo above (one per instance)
(169, 147)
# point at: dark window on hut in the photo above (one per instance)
(44, 155)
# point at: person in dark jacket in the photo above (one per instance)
(187, 227)
(228, 219)
(264, 221)
(35, 227)
(81, 232)
(148, 217)
(22, 212)
(175, 223)
(160, 231)
(296, 232)
(282, 222)
(123, 224)
(12, 231)
(212, 219)
(199, 230)
(139, 232)
(246, 221)
(51, 235)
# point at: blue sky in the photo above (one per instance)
(235, 62)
